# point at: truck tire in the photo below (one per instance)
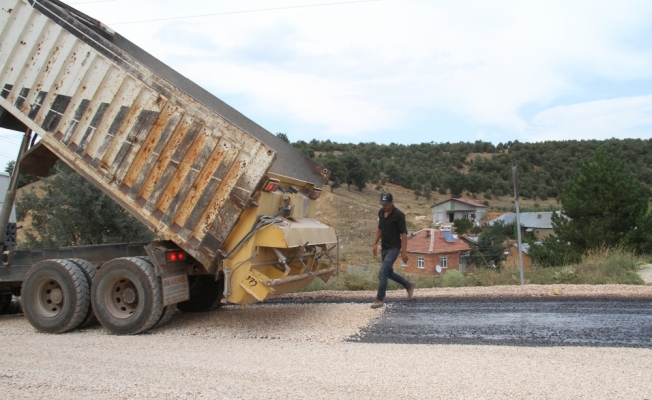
(168, 313)
(5, 302)
(205, 294)
(55, 296)
(89, 271)
(126, 296)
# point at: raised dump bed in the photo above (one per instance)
(177, 158)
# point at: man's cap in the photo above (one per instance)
(386, 199)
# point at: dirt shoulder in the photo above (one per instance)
(553, 291)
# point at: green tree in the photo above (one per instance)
(456, 182)
(427, 191)
(552, 252)
(357, 172)
(72, 212)
(605, 206)
(338, 173)
(476, 183)
(490, 249)
(283, 137)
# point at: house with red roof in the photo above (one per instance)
(449, 210)
(430, 248)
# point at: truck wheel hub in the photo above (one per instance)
(56, 296)
(129, 295)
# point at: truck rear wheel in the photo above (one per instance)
(205, 293)
(168, 313)
(89, 271)
(55, 296)
(126, 296)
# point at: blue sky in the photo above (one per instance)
(408, 71)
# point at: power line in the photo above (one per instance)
(6, 139)
(244, 11)
(7, 155)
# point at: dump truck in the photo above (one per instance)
(233, 205)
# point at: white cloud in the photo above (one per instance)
(625, 117)
(310, 99)
(352, 69)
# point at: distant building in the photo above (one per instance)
(470, 240)
(512, 255)
(428, 248)
(449, 210)
(538, 223)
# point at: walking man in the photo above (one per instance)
(393, 235)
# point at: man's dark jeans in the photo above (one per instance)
(387, 258)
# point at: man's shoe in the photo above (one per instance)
(410, 290)
(377, 304)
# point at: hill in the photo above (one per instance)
(478, 167)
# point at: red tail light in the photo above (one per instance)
(314, 194)
(272, 185)
(173, 256)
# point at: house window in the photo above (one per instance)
(421, 262)
(440, 216)
(443, 261)
(465, 215)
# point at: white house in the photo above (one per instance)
(449, 210)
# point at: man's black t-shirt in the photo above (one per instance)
(391, 228)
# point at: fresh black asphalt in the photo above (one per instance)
(518, 322)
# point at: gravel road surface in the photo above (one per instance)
(299, 349)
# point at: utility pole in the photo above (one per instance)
(518, 224)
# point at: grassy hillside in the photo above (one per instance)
(478, 167)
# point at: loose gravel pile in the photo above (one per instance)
(298, 350)
(325, 323)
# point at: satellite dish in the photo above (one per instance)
(438, 269)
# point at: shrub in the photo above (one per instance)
(358, 282)
(610, 266)
(565, 275)
(453, 278)
(462, 225)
